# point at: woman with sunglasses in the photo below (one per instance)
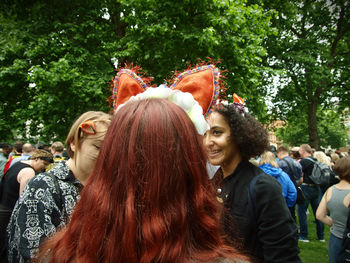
(48, 201)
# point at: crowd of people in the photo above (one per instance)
(174, 175)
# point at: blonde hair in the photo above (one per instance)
(322, 158)
(268, 158)
(334, 157)
(76, 137)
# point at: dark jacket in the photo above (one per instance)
(270, 234)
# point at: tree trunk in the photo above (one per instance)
(314, 140)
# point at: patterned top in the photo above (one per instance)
(45, 205)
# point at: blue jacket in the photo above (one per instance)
(288, 189)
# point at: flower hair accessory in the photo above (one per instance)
(195, 91)
(238, 104)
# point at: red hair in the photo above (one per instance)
(149, 198)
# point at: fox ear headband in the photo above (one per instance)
(195, 91)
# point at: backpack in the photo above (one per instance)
(320, 173)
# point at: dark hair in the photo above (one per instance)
(282, 149)
(18, 146)
(296, 155)
(149, 198)
(342, 168)
(248, 134)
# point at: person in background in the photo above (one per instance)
(4, 155)
(334, 158)
(156, 201)
(16, 152)
(263, 221)
(43, 146)
(291, 167)
(17, 149)
(269, 165)
(294, 153)
(311, 193)
(323, 158)
(27, 151)
(48, 201)
(334, 208)
(288, 164)
(57, 149)
(15, 179)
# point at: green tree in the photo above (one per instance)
(311, 51)
(330, 126)
(57, 57)
(53, 66)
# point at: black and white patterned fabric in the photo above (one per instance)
(44, 206)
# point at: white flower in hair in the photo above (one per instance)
(184, 100)
(160, 92)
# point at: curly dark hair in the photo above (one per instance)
(249, 134)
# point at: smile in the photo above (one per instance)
(213, 154)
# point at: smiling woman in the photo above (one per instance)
(232, 139)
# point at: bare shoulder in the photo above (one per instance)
(25, 173)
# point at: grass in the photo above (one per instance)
(314, 251)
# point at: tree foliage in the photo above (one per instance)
(57, 57)
(311, 52)
(330, 126)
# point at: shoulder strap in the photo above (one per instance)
(312, 160)
(291, 176)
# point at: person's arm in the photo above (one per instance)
(299, 172)
(23, 177)
(36, 216)
(277, 230)
(322, 211)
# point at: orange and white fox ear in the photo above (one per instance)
(203, 83)
(125, 85)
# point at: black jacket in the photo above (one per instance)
(270, 234)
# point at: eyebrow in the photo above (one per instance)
(216, 127)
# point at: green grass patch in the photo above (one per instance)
(314, 251)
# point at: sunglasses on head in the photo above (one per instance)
(88, 127)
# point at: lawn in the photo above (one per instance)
(314, 251)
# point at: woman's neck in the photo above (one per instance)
(77, 174)
(230, 167)
(343, 184)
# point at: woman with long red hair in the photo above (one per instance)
(149, 198)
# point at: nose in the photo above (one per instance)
(207, 140)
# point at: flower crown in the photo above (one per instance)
(195, 91)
